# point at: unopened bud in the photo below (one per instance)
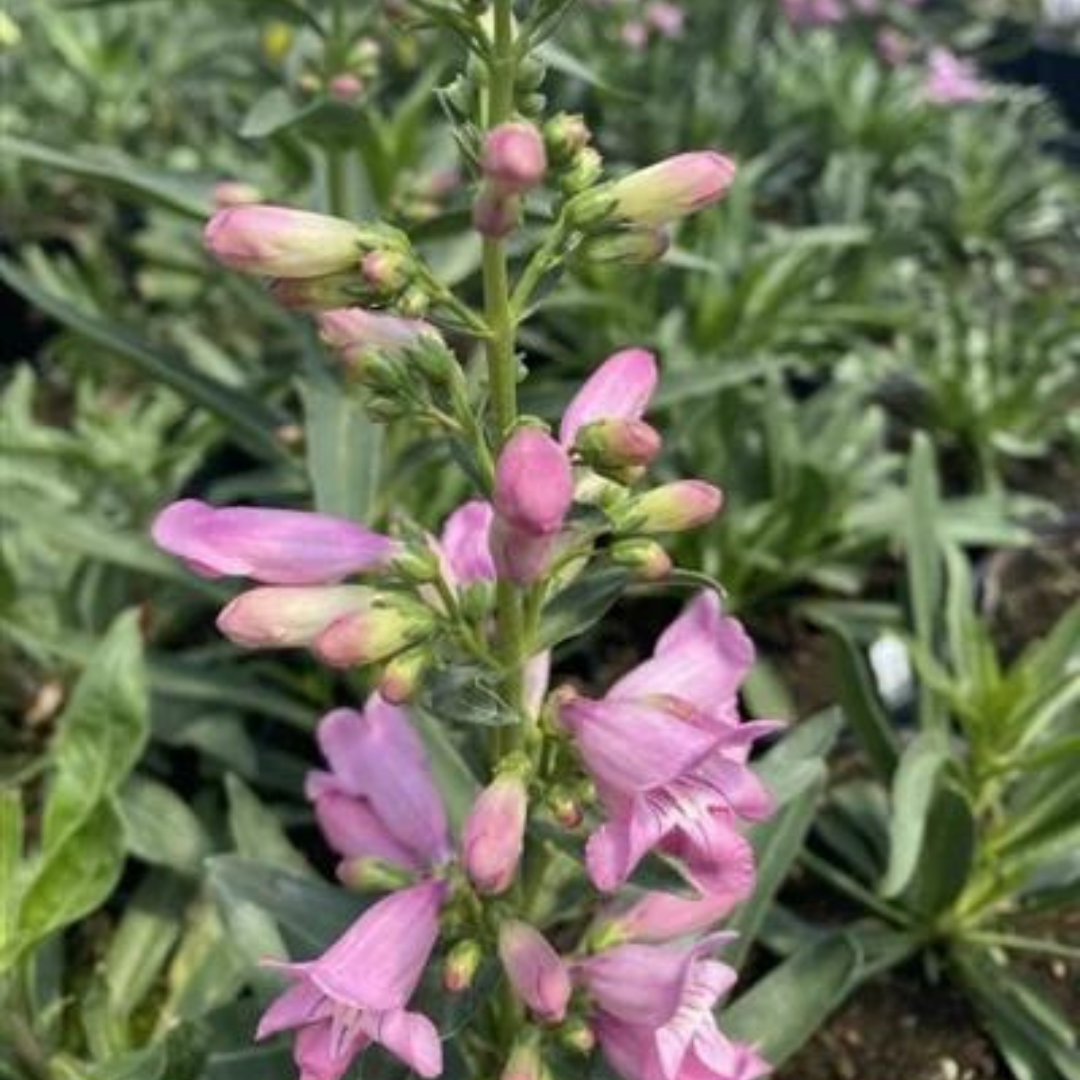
(685, 504)
(583, 172)
(537, 973)
(530, 73)
(565, 809)
(346, 87)
(387, 272)
(402, 676)
(565, 136)
(646, 558)
(320, 293)
(576, 1035)
(674, 187)
(418, 565)
(461, 966)
(592, 207)
(414, 303)
(388, 626)
(235, 193)
(494, 833)
(525, 1062)
(617, 443)
(495, 213)
(632, 247)
(513, 159)
(369, 874)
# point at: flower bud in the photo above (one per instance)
(366, 873)
(366, 637)
(387, 272)
(276, 241)
(513, 159)
(565, 136)
(418, 564)
(328, 292)
(632, 247)
(617, 443)
(646, 558)
(354, 332)
(576, 1035)
(525, 1062)
(414, 302)
(593, 206)
(402, 676)
(346, 87)
(496, 214)
(278, 617)
(535, 970)
(235, 193)
(461, 966)
(530, 74)
(494, 834)
(534, 484)
(676, 507)
(564, 807)
(673, 188)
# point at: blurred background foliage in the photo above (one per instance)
(873, 346)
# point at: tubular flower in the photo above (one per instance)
(494, 834)
(668, 752)
(279, 242)
(356, 993)
(673, 188)
(277, 547)
(463, 548)
(536, 972)
(289, 616)
(654, 1013)
(378, 799)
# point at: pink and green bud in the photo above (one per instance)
(629, 247)
(346, 87)
(229, 193)
(535, 970)
(461, 965)
(617, 443)
(565, 136)
(324, 293)
(534, 484)
(645, 558)
(565, 807)
(673, 188)
(513, 159)
(494, 834)
(525, 1062)
(619, 389)
(402, 676)
(578, 1036)
(374, 634)
(496, 213)
(676, 507)
(289, 616)
(368, 873)
(279, 242)
(355, 333)
(387, 272)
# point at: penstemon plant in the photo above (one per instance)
(608, 840)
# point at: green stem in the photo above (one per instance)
(502, 369)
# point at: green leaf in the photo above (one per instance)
(455, 780)
(101, 733)
(160, 828)
(77, 877)
(580, 606)
(245, 419)
(914, 789)
(11, 854)
(948, 853)
(344, 447)
(782, 1010)
(467, 695)
(257, 832)
(312, 913)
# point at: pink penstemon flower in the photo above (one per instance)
(951, 80)
(494, 834)
(668, 750)
(357, 991)
(536, 971)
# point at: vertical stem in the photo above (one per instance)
(502, 362)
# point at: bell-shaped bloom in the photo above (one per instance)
(655, 1014)
(464, 548)
(289, 616)
(951, 80)
(277, 547)
(279, 242)
(513, 159)
(494, 834)
(378, 798)
(535, 970)
(668, 751)
(353, 331)
(374, 633)
(673, 188)
(660, 917)
(356, 993)
(619, 389)
(670, 508)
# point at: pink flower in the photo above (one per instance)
(894, 47)
(379, 798)
(356, 993)
(352, 332)
(464, 549)
(346, 87)
(277, 241)
(534, 489)
(655, 1014)
(494, 834)
(536, 972)
(619, 389)
(635, 35)
(660, 917)
(513, 159)
(951, 80)
(289, 616)
(673, 188)
(279, 547)
(668, 751)
(666, 18)
(813, 12)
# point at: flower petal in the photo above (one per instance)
(619, 389)
(411, 1037)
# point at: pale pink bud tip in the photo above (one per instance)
(685, 504)
(346, 87)
(494, 834)
(514, 160)
(279, 242)
(535, 970)
(674, 188)
(235, 193)
(534, 484)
